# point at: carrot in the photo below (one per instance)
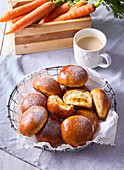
(32, 17)
(21, 10)
(76, 6)
(57, 12)
(79, 12)
(17, 19)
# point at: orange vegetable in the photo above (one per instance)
(79, 12)
(57, 12)
(17, 19)
(32, 17)
(21, 10)
(76, 6)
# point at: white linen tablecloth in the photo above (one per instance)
(96, 157)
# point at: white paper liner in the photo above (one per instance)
(106, 131)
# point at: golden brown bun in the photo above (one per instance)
(73, 76)
(32, 120)
(33, 99)
(76, 130)
(78, 98)
(85, 88)
(101, 102)
(64, 90)
(47, 85)
(51, 131)
(58, 108)
(90, 115)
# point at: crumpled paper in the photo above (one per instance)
(106, 131)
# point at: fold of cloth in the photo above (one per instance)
(93, 157)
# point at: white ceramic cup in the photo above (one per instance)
(93, 58)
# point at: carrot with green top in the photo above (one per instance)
(62, 9)
(32, 17)
(21, 10)
(79, 12)
(57, 12)
(77, 6)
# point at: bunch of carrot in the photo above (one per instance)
(48, 11)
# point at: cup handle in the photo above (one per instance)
(107, 58)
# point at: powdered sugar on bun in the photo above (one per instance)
(32, 120)
(51, 131)
(76, 130)
(73, 76)
(33, 99)
(90, 115)
(47, 85)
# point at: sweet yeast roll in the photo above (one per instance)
(33, 99)
(50, 132)
(78, 97)
(84, 87)
(58, 108)
(90, 115)
(101, 102)
(76, 130)
(32, 120)
(73, 76)
(47, 85)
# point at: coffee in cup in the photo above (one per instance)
(88, 48)
(90, 43)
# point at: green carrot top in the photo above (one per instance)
(116, 6)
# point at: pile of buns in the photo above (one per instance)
(64, 110)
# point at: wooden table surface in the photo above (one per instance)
(7, 161)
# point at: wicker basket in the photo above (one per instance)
(54, 72)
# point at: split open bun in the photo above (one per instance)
(72, 76)
(78, 97)
(58, 108)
